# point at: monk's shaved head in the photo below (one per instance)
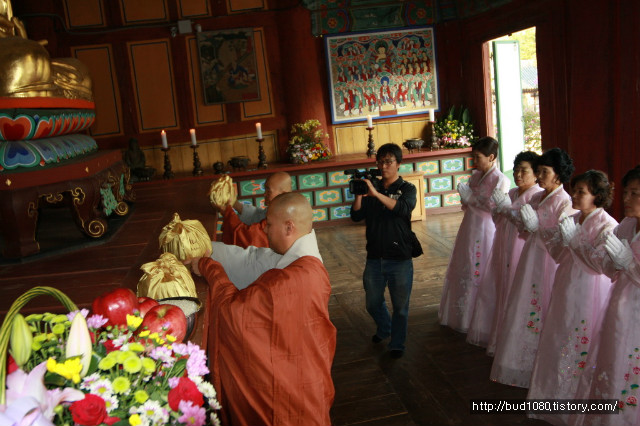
(276, 184)
(289, 217)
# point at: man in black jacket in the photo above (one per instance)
(387, 211)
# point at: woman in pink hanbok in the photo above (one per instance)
(579, 295)
(475, 236)
(615, 353)
(503, 259)
(531, 289)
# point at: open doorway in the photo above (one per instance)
(515, 108)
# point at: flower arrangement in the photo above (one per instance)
(455, 130)
(306, 143)
(75, 369)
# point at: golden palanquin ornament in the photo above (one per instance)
(186, 239)
(166, 277)
(222, 193)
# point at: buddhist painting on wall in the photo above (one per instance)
(382, 74)
(228, 66)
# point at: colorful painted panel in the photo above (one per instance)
(452, 165)
(251, 187)
(16, 124)
(451, 200)
(260, 203)
(315, 180)
(337, 178)
(469, 161)
(461, 179)
(432, 201)
(406, 168)
(14, 154)
(328, 196)
(348, 196)
(308, 196)
(341, 212)
(294, 183)
(247, 201)
(320, 215)
(428, 167)
(440, 184)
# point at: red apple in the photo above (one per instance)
(165, 319)
(115, 305)
(146, 303)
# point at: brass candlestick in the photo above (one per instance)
(434, 140)
(168, 174)
(197, 169)
(262, 157)
(371, 145)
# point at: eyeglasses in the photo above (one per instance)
(385, 162)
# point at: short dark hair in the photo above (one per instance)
(559, 161)
(599, 186)
(528, 156)
(633, 174)
(390, 149)
(486, 146)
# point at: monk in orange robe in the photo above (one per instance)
(247, 227)
(271, 345)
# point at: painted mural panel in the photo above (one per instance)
(382, 74)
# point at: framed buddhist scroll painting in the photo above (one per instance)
(228, 66)
(382, 74)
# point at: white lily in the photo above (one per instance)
(79, 342)
(21, 339)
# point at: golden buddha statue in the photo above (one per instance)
(26, 69)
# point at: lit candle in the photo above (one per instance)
(369, 121)
(259, 130)
(163, 135)
(194, 142)
(432, 115)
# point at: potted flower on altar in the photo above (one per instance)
(307, 143)
(82, 369)
(455, 130)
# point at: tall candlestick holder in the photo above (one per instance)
(371, 151)
(168, 174)
(262, 157)
(197, 167)
(434, 140)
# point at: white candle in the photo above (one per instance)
(432, 115)
(369, 121)
(259, 130)
(194, 142)
(163, 135)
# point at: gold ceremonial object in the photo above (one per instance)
(186, 239)
(222, 193)
(166, 277)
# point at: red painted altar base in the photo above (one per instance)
(76, 183)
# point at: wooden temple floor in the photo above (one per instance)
(431, 385)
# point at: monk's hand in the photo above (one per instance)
(194, 266)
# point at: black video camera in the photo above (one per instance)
(359, 187)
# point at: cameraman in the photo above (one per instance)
(387, 210)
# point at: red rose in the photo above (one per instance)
(186, 390)
(89, 411)
(584, 340)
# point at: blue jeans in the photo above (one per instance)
(398, 275)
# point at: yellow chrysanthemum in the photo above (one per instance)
(140, 396)
(70, 369)
(107, 363)
(144, 333)
(132, 365)
(135, 420)
(121, 384)
(170, 338)
(148, 365)
(136, 347)
(133, 321)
